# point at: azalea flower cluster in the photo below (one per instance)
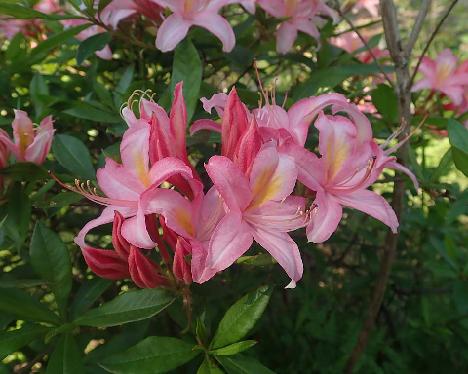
(170, 227)
(294, 15)
(446, 76)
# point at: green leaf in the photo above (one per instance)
(19, 215)
(234, 349)
(187, 67)
(242, 365)
(87, 295)
(51, 261)
(66, 358)
(241, 317)
(128, 307)
(83, 110)
(332, 76)
(91, 45)
(10, 341)
(22, 306)
(25, 171)
(209, 367)
(152, 355)
(458, 136)
(37, 90)
(21, 12)
(73, 155)
(386, 102)
(444, 166)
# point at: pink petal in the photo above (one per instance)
(285, 37)
(311, 170)
(395, 165)
(144, 272)
(117, 182)
(116, 11)
(23, 132)
(217, 101)
(231, 239)
(166, 168)
(248, 148)
(171, 32)
(37, 151)
(105, 53)
(106, 263)
(308, 27)
(230, 182)
(218, 26)
(178, 118)
(205, 124)
(134, 153)
(324, 218)
(284, 250)
(134, 230)
(211, 211)
(284, 216)
(181, 267)
(121, 246)
(273, 175)
(372, 204)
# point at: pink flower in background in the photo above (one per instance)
(105, 53)
(188, 13)
(300, 15)
(124, 261)
(350, 42)
(9, 27)
(118, 10)
(443, 75)
(372, 6)
(260, 208)
(48, 6)
(30, 144)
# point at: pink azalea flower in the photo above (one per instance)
(188, 13)
(259, 208)
(300, 15)
(30, 144)
(105, 53)
(350, 42)
(9, 27)
(167, 133)
(118, 10)
(443, 75)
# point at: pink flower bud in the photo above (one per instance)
(106, 263)
(181, 267)
(144, 272)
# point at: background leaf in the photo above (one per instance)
(73, 155)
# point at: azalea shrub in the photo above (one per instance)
(222, 186)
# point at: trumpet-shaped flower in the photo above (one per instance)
(443, 75)
(350, 162)
(260, 208)
(30, 144)
(188, 13)
(300, 15)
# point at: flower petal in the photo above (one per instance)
(37, 151)
(218, 26)
(284, 250)
(205, 124)
(171, 32)
(106, 263)
(324, 218)
(372, 204)
(143, 271)
(230, 182)
(285, 37)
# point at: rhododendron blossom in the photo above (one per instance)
(188, 13)
(299, 15)
(443, 75)
(30, 144)
(350, 42)
(118, 10)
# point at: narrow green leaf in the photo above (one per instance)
(87, 295)
(73, 155)
(22, 12)
(235, 348)
(83, 110)
(128, 307)
(241, 317)
(37, 90)
(19, 215)
(25, 171)
(10, 341)
(152, 355)
(242, 365)
(91, 45)
(66, 358)
(187, 67)
(23, 306)
(51, 261)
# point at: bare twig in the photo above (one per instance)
(366, 45)
(417, 26)
(431, 38)
(358, 27)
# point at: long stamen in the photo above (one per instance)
(262, 90)
(400, 143)
(90, 192)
